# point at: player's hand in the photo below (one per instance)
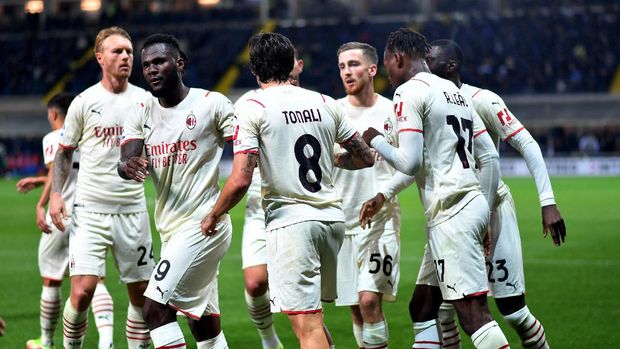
(58, 212)
(207, 226)
(486, 242)
(27, 184)
(369, 209)
(41, 221)
(370, 134)
(136, 168)
(553, 223)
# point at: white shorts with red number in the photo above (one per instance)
(185, 277)
(302, 265)
(128, 235)
(454, 257)
(368, 261)
(505, 265)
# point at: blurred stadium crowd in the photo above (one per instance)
(513, 47)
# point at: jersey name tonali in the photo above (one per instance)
(94, 123)
(183, 145)
(51, 142)
(498, 120)
(360, 185)
(435, 107)
(294, 131)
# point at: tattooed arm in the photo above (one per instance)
(131, 165)
(236, 186)
(61, 170)
(358, 155)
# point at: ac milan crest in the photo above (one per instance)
(190, 121)
(387, 126)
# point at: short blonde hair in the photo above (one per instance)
(106, 33)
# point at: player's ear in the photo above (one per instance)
(300, 63)
(451, 67)
(181, 64)
(372, 70)
(99, 57)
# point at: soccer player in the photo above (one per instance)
(436, 127)
(368, 262)
(505, 263)
(294, 131)
(108, 212)
(182, 131)
(254, 244)
(54, 245)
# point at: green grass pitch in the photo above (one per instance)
(571, 289)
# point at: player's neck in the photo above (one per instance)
(365, 98)
(114, 84)
(274, 84)
(175, 97)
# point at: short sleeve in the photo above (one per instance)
(409, 109)
(133, 127)
(246, 127)
(224, 117)
(344, 128)
(496, 115)
(74, 123)
(50, 146)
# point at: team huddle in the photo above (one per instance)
(322, 222)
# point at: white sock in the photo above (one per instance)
(357, 333)
(49, 313)
(451, 337)
(74, 329)
(168, 336)
(490, 336)
(217, 342)
(426, 335)
(529, 329)
(260, 314)
(136, 330)
(103, 311)
(375, 335)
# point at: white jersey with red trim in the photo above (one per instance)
(254, 197)
(94, 123)
(435, 107)
(51, 142)
(358, 186)
(294, 131)
(501, 124)
(183, 145)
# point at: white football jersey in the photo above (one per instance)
(183, 145)
(358, 186)
(254, 197)
(436, 108)
(51, 142)
(94, 123)
(294, 131)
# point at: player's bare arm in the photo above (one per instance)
(235, 188)
(131, 165)
(358, 155)
(61, 171)
(43, 200)
(27, 184)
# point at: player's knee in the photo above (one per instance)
(156, 314)
(509, 305)
(81, 296)
(370, 303)
(256, 287)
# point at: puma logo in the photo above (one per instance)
(390, 283)
(453, 288)
(273, 301)
(514, 286)
(146, 126)
(160, 291)
(95, 112)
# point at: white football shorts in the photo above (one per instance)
(128, 235)
(254, 241)
(369, 261)
(185, 277)
(302, 265)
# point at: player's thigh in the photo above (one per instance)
(89, 239)
(456, 247)
(348, 272)
(254, 241)
(187, 271)
(379, 260)
(133, 246)
(505, 265)
(53, 253)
